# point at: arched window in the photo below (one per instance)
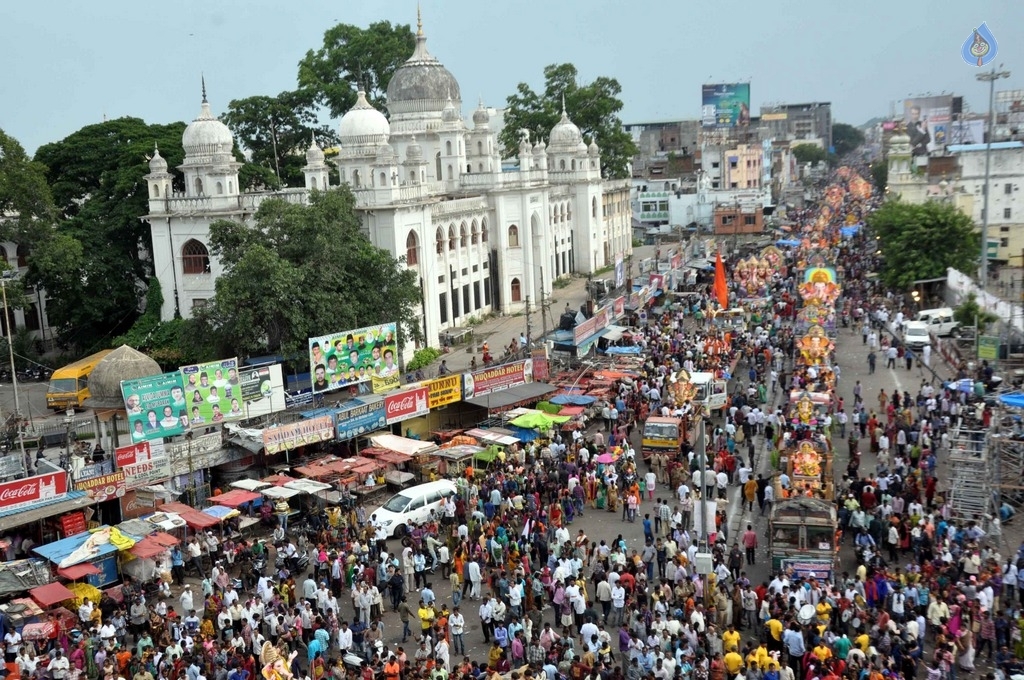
(220, 188)
(312, 182)
(231, 186)
(517, 291)
(447, 148)
(513, 236)
(479, 167)
(568, 211)
(474, 234)
(463, 236)
(3, 255)
(483, 230)
(437, 166)
(383, 179)
(195, 258)
(593, 206)
(355, 179)
(412, 249)
(451, 173)
(451, 237)
(480, 148)
(22, 256)
(561, 213)
(156, 191)
(199, 187)
(440, 240)
(574, 164)
(561, 164)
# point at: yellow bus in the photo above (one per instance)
(69, 386)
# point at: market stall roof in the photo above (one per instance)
(411, 447)
(249, 484)
(135, 527)
(308, 486)
(278, 480)
(73, 500)
(220, 512)
(51, 594)
(493, 436)
(614, 333)
(57, 551)
(192, 517)
(395, 457)
(512, 395)
(166, 520)
(163, 539)
(314, 471)
(77, 571)
(571, 410)
(147, 548)
(281, 492)
(575, 399)
(235, 497)
(459, 452)
(19, 576)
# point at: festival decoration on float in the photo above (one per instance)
(819, 287)
(815, 347)
(816, 315)
(680, 388)
(806, 461)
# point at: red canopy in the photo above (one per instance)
(77, 571)
(235, 497)
(163, 539)
(198, 520)
(314, 471)
(176, 508)
(146, 548)
(278, 480)
(51, 594)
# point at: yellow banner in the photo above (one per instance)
(384, 384)
(444, 391)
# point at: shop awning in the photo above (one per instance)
(77, 571)
(249, 484)
(58, 551)
(280, 492)
(314, 471)
(73, 500)
(235, 497)
(504, 438)
(191, 516)
(147, 548)
(410, 447)
(308, 486)
(614, 333)
(51, 594)
(166, 520)
(278, 480)
(164, 539)
(513, 395)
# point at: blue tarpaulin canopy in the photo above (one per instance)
(623, 350)
(574, 399)
(1013, 400)
(523, 434)
(58, 551)
(219, 511)
(787, 242)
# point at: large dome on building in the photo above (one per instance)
(422, 83)
(364, 125)
(206, 135)
(124, 363)
(565, 136)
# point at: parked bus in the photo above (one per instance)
(69, 386)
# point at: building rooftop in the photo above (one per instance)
(996, 146)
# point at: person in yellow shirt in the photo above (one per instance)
(731, 639)
(863, 641)
(775, 628)
(761, 656)
(733, 663)
(426, 615)
(822, 652)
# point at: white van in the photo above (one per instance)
(915, 334)
(940, 320)
(413, 505)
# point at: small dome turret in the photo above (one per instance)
(481, 118)
(413, 152)
(314, 154)
(593, 149)
(566, 136)
(157, 164)
(450, 114)
(364, 125)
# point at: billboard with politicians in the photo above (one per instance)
(725, 104)
(213, 392)
(352, 357)
(928, 121)
(156, 406)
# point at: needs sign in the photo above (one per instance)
(143, 464)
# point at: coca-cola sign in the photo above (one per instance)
(410, 403)
(25, 492)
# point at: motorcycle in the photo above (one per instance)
(295, 565)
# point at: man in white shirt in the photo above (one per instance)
(59, 666)
(618, 603)
(12, 640)
(457, 626)
(344, 638)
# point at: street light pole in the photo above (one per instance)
(14, 373)
(991, 77)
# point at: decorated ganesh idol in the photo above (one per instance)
(819, 287)
(806, 461)
(815, 347)
(275, 665)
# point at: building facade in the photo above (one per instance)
(482, 236)
(811, 121)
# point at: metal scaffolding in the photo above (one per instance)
(1008, 442)
(974, 487)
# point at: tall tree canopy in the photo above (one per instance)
(300, 271)
(846, 138)
(93, 264)
(353, 57)
(277, 131)
(25, 199)
(593, 107)
(922, 241)
(809, 153)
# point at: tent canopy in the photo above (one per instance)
(78, 571)
(278, 480)
(281, 492)
(493, 436)
(58, 551)
(235, 497)
(538, 420)
(513, 395)
(147, 548)
(51, 594)
(249, 484)
(220, 512)
(410, 447)
(574, 399)
(308, 486)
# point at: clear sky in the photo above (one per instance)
(69, 63)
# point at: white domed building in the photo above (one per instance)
(483, 233)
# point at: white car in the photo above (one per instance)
(413, 506)
(915, 335)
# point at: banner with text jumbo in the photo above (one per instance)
(497, 378)
(213, 392)
(156, 406)
(351, 357)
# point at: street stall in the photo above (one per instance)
(51, 594)
(196, 520)
(412, 455)
(98, 548)
(454, 459)
(249, 484)
(280, 497)
(802, 536)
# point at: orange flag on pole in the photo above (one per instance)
(720, 289)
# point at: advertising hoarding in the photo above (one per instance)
(725, 104)
(288, 437)
(360, 419)
(928, 123)
(408, 403)
(25, 492)
(967, 132)
(498, 378)
(104, 487)
(213, 392)
(620, 272)
(444, 391)
(143, 464)
(156, 406)
(351, 357)
(262, 390)
(591, 326)
(540, 364)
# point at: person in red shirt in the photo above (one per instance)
(627, 581)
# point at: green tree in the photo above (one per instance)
(277, 131)
(880, 176)
(25, 200)
(922, 241)
(352, 57)
(300, 271)
(593, 107)
(809, 153)
(970, 313)
(93, 264)
(846, 138)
